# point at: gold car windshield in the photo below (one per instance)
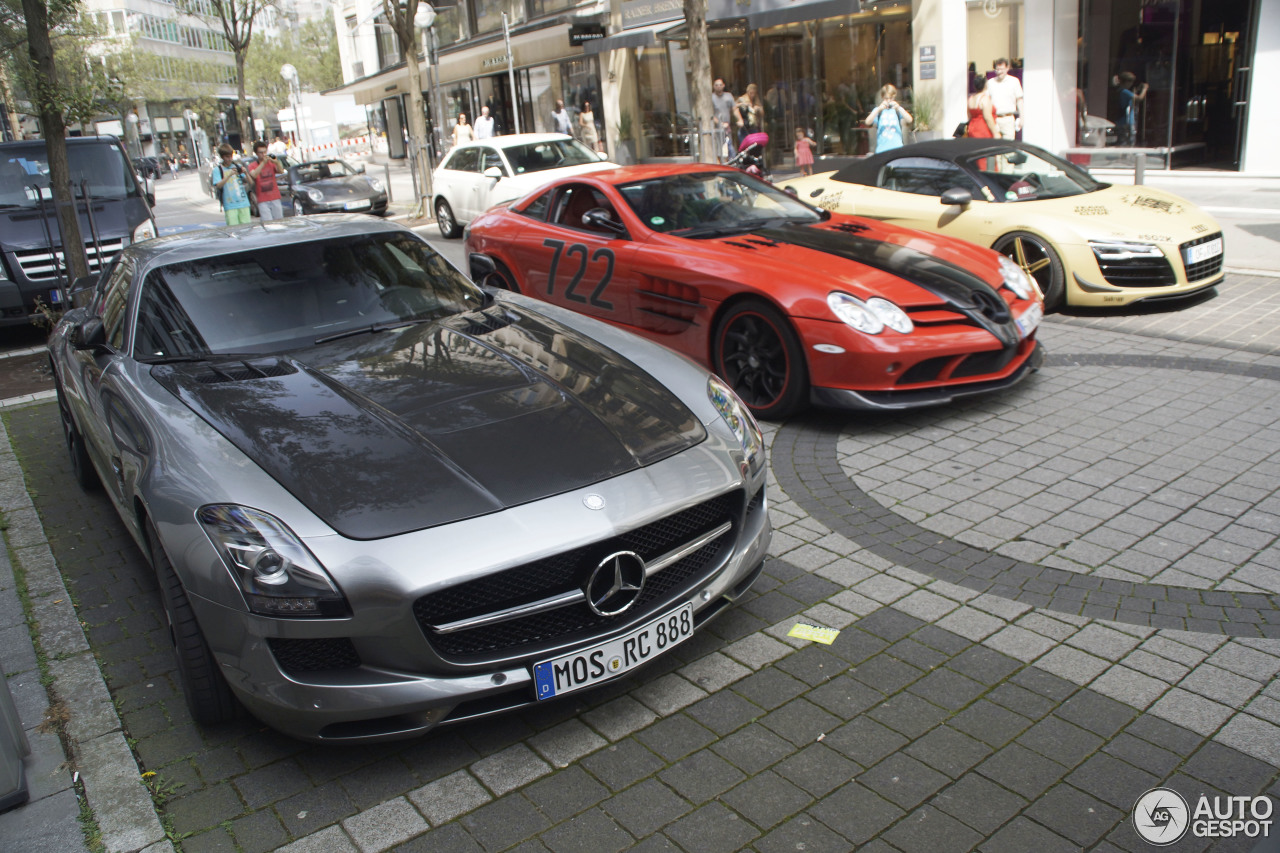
(713, 204)
(1016, 174)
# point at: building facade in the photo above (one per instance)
(818, 66)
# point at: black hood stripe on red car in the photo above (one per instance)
(959, 288)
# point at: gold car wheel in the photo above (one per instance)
(1039, 261)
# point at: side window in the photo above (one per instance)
(575, 201)
(114, 303)
(492, 158)
(537, 209)
(924, 176)
(466, 160)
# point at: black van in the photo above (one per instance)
(101, 173)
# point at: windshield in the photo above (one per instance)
(553, 154)
(1021, 175)
(98, 168)
(706, 204)
(322, 170)
(290, 296)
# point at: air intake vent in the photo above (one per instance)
(239, 371)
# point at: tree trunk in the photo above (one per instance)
(55, 135)
(417, 118)
(242, 113)
(704, 118)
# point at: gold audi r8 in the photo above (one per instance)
(1084, 242)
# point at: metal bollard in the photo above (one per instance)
(386, 172)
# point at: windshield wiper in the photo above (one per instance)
(208, 356)
(721, 229)
(371, 329)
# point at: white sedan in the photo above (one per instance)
(477, 175)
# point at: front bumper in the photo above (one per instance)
(400, 686)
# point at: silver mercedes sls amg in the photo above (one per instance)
(379, 498)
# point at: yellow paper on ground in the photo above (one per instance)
(826, 636)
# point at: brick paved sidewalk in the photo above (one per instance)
(973, 699)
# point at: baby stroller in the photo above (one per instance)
(750, 156)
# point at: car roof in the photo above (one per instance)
(511, 140)
(866, 169)
(226, 240)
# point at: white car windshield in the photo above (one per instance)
(1016, 174)
(552, 154)
(288, 297)
(710, 204)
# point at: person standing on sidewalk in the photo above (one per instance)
(888, 119)
(462, 131)
(1006, 98)
(484, 124)
(722, 106)
(228, 186)
(263, 174)
(560, 119)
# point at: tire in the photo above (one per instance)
(447, 222)
(501, 279)
(81, 465)
(1038, 260)
(209, 698)
(757, 353)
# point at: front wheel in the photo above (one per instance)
(445, 219)
(81, 465)
(1038, 260)
(757, 353)
(209, 698)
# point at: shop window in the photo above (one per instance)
(489, 14)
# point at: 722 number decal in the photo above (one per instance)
(570, 292)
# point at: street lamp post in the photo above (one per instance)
(289, 73)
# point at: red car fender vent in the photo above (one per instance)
(672, 293)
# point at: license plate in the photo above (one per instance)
(591, 666)
(1028, 322)
(55, 297)
(357, 205)
(1204, 251)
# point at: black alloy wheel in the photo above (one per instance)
(1038, 260)
(208, 697)
(445, 219)
(757, 353)
(81, 465)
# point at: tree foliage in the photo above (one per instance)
(236, 20)
(309, 47)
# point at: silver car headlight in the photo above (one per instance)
(739, 420)
(1016, 279)
(1119, 251)
(315, 195)
(276, 573)
(375, 183)
(870, 317)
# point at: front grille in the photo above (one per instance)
(569, 571)
(314, 655)
(37, 264)
(924, 371)
(1138, 272)
(982, 363)
(1203, 269)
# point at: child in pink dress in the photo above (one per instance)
(804, 152)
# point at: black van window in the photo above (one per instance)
(96, 167)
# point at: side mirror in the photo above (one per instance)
(493, 173)
(600, 218)
(602, 155)
(481, 266)
(957, 195)
(88, 334)
(359, 168)
(151, 199)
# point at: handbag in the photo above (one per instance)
(962, 129)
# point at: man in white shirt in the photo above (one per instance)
(560, 116)
(1006, 97)
(484, 124)
(277, 148)
(722, 104)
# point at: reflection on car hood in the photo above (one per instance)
(341, 187)
(398, 431)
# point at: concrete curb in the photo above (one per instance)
(121, 804)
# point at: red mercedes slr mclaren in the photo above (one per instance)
(790, 304)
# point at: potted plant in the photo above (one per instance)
(626, 139)
(924, 109)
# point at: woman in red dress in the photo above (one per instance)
(982, 113)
